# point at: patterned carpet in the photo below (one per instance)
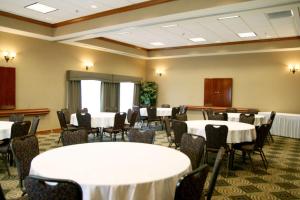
(281, 180)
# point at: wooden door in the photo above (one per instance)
(218, 92)
(7, 88)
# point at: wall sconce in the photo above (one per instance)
(88, 65)
(159, 72)
(8, 55)
(294, 68)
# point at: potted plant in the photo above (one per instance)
(148, 94)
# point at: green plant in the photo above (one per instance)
(148, 93)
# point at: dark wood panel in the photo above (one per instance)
(218, 109)
(38, 111)
(7, 88)
(218, 92)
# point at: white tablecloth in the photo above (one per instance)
(116, 170)
(101, 119)
(161, 112)
(5, 128)
(259, 119)
(237, 132)
(285, 124)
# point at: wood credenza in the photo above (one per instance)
(218, 109)
(37, 111)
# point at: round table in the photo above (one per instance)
(237, 132)
(101, 119)
(5, 129)
(160, 112)
(258, 120)
(116, 170)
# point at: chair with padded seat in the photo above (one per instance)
(74, 137)
(193, 147)
(118, 127)
(179, 128)
(182, 117)
(16, 118)
(218, 116)
(170, 137)
(67, 115)
(142, 136)
(247, 118)
(132, 120)
(34, 125)
(270, 121)
(190, 186)
(175, 111)
(41, 188)
(152, 115)
(85, 122)
(63, 124)
(24, 150)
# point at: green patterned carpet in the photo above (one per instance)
(281, 180)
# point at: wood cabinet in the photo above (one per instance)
(7, 88)
(218, 92)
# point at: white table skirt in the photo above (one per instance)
(237, 132)
(101, 119)
(5, 129)
(259, 119)
(285, 124)
(161, 112)
(116, 170)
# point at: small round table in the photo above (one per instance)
(116, 170)
(5, 129)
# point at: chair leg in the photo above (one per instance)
(249, 154)
(270, 135)
(5, 158)
(262, 155)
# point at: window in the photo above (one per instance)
(90, 95)
(126, 96)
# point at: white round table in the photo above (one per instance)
(116, 170)
(160, 112)
(258, 120)
(5, 129)
(237, 132)
(101, 119)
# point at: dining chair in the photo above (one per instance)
(179, 128)
(132, 121)
(41, 188)
(168, 130)
(190, 186)
(181, 117)
(34, 125)
(85, 122)
(118, 126)
(152, 115)
(142, 136)
(247, 118)
(67, 115)
(24, 150)
(63, 124)
(175, 111)
(74, 137)
(16, 118)
(182, 109)
(193, 147)
(270, 121)
(218, 116)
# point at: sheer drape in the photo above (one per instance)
(136, 94)
(74, 95)
(110, 98)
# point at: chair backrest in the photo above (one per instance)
(179, 128)
(133, 119)
(119, 120)
(252, 111)
(16, 118)
(190, 186)
(40, 188)
(2, 196)
(24, 150)
(34, 125)
(261, 134)
(84, 110)
(74, 137)
(165, 105)
(62, 120)
(272, 117)
(129, 113)
(181, 117)
(167, 126)
(19, 129)
(193, 147)
(142, 136)
(84, 120)
(216, 136)
(182, 109)
(137, 109)
(151, 111)
(175, 111)
(247, 118)
(67, 115)
(218, 116)
(215, 172)
(231, 110)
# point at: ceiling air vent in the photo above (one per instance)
(280, 14)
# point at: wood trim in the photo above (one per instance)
(38, 111)
(219, 109)
(122, 43)
(111, 12)
(25, 19)
(45, 132)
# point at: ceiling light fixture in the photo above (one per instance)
(169, 25)
(198, 39)
(94, 6)
(228, 17)
(157, 43)
(248, 34)
(41, 8)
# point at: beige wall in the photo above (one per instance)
(41, 67)
(260, 80)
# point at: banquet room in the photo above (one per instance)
(149, 99)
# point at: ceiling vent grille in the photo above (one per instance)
(281, 14)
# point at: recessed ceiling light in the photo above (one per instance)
(41, 8)
(169, 25)
(94, 6)
(157, 43)
(198, 39)
(228, 17)
(248, 34)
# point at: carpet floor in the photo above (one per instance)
(280, 182)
